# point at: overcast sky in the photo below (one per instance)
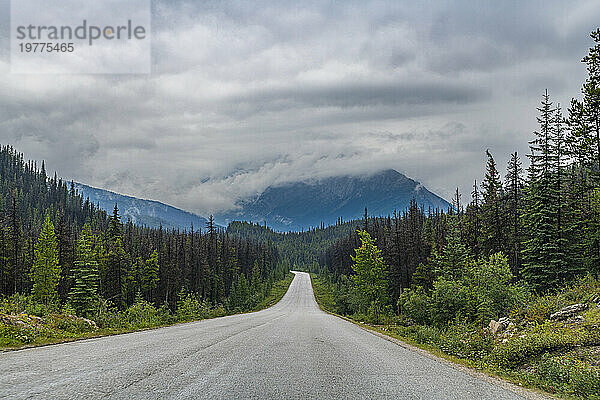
(245, 94)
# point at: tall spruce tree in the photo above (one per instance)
(85, 275)
(541, 256)
(492, 213)
(591, 121)
(591, 98)
(45, 271)
(370, 275)
(514, 192)
(452, 260)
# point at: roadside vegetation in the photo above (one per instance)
(69, 270)
(558, 355)
(26, 322)
(508, 283)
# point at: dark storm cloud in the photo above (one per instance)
(244, 95)
(365, 94)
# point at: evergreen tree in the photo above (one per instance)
(591, 99)
(540, 248)
(590, 113)
(45, 271)
(452, 260)
(240, 294)
(114, 227)
(472, 222)
(492, 214)
(514, 192)
(370, 274)
(85, 275)
(150, 278)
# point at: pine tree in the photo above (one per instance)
(591, 98)
(45, 271)
(514, 192)
(591, 122)
(540, 248)
(370, 274)
(238, 300)
(473, 223)
(492, 215)
(85, 275)
(114, 225)
(456, 205)
(150, 279)
(567, 258)
(451, 261)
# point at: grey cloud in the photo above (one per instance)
(249, 94)
(365, 94)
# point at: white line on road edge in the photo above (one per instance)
(521, 391)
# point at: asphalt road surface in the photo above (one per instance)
(292, 350)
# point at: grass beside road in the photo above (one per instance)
(278, 290)
(323, 295)
(21, 329)
(556, 372)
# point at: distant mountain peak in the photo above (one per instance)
(300, 205)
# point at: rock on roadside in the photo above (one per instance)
(568, 312)
(496, 327)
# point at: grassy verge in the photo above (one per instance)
(546, 358)
(278, 290)
(21, 330)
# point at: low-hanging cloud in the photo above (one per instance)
(245, 95)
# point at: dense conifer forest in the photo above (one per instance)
(298, 250)
(65, 250)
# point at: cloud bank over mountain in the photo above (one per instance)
(244, 96)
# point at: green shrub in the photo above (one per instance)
(544, 338)
(415, 305)
(69, 325)
(11, 335)
(190, 308)
(420, 334)
(107, 316)
(536, 309)
(142, 315)
(582, 290)
(568, 376)
(448, 299)
(22, 303)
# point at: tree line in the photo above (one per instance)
(63, 249)
(543, 224)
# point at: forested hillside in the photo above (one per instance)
(65, 251)
(153, 214)
(298, 250)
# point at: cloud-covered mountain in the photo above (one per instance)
(142, 212)
(299, 205)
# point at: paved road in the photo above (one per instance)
(292, 350)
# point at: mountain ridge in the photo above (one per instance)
(292, 205)
(151, 213)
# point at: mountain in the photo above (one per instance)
(142, 212)
(300, 205)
